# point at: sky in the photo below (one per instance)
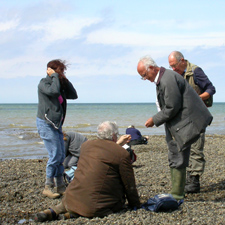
(102, 41)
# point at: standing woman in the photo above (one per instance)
(53, 90)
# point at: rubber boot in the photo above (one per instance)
(192, 184)
(178, 178)
(48, 192)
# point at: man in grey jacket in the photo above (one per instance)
(181, 111)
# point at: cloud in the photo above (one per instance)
(100, 40)
(103, 42)
(131, 38)
(8, 25)
(61, 28)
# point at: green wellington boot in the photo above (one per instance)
(178, 178)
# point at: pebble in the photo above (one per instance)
(22, 182)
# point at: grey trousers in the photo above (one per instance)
(197, 158)
(177, 159)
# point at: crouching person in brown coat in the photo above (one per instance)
(103, 180)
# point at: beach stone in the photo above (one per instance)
(22, 183)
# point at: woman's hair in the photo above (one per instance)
(107, 129)
(59, 66)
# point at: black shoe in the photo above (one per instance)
(46, 215)
(40, 217)
(192, 184)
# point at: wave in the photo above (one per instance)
(81, 125)
(13, 125)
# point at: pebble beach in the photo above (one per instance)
(22, 183)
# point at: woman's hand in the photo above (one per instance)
(50, 71)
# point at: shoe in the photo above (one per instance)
(66, 179)
(60, 189)
(48, 192)
(70, 215)
(192, 184)
(46, 215)
(60, 186)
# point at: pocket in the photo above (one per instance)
(54, 118)
(185, 133)
(45, 131)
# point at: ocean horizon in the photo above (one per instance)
(19, 137)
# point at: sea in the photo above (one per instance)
(19, 137)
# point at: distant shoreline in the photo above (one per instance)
(74, 103)
(94, 136)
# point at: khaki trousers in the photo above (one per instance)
(197, 158)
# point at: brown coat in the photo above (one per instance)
(103, 177)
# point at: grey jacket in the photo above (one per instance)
(49, 107)
(182, 110)
(72, 142)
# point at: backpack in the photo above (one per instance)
(162, 203)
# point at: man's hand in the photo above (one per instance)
(124, 139)
(204, 95)
(149, 122)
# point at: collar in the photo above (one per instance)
(184, 72)
(161, 72)
(156, 78)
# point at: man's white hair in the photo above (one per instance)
(148, 61)
(107, 129)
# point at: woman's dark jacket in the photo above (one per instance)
(49, 107)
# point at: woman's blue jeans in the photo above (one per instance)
(54, 143)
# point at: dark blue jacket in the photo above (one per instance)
(135, 133)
